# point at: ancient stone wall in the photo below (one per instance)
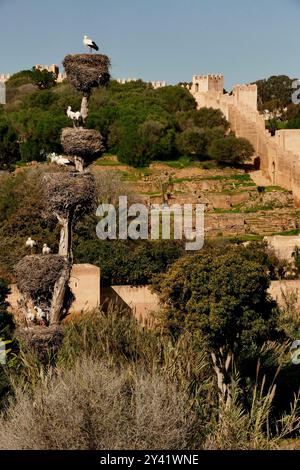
(279, 155)
(84, 283)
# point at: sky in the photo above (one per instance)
(168, 40)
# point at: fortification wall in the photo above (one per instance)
(279, 155)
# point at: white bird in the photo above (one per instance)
(40, 313)
(74, 115)
(58, 159)
(46, 250)
(90, 43)
(30, 243)
(30, 316)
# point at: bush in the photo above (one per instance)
(95, 407)
(128, 262)
(192, 142)
(9, 147)
(231, 150)
(224, 297)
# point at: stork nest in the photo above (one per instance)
(85, 143)
(37, 274)
(87, 71)
(68, 194)
(43, 341)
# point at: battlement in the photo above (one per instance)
(4, 77)
(212, 83)
(245, 94)
(156, 84)
(210, 76)
(50, 68)
(250, 87)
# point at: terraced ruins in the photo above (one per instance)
(236, 206)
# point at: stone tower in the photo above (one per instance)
(208, 84)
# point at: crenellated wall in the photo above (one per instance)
(279, 155)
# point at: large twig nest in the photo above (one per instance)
(37, 274)
(68, 194)
(86, 71)
(45, 342)
(86, 143)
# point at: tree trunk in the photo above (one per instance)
(79, 164)
(84, 108)
(221, 367)
(65, 243)
(59, 292)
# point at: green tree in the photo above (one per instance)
(192, 141)
(20, 78)
(9, 147)
(231, 150)
(274, 92)
(224, 298)
(43, 79)
(204, 118)
(128, 262)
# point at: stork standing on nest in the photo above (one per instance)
(46, 250)
(30, 244)
(58, 159)
(88, 42)
(75, 116)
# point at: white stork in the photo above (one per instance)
(30, 243)
(46, 250)
(40, 313)
(88, 42)
(75, 116)
(58, 159)
(30, 316)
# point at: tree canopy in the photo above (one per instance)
(138, 123)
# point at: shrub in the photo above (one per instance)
(231, 150)
(94, 407)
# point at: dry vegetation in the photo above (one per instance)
(118, 386)
(95, 407)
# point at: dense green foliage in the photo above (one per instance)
(224, 296)
(275, 95)
(231, 150)
(138, 123)
(128, 262)
(41, 78)
(274, 92)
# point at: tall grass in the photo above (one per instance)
(117, 385)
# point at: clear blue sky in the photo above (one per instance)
(157, 39)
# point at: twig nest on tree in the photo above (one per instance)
(44, 342)
(37, 274)
(87, 71)
(68, 195)
(86, 143)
